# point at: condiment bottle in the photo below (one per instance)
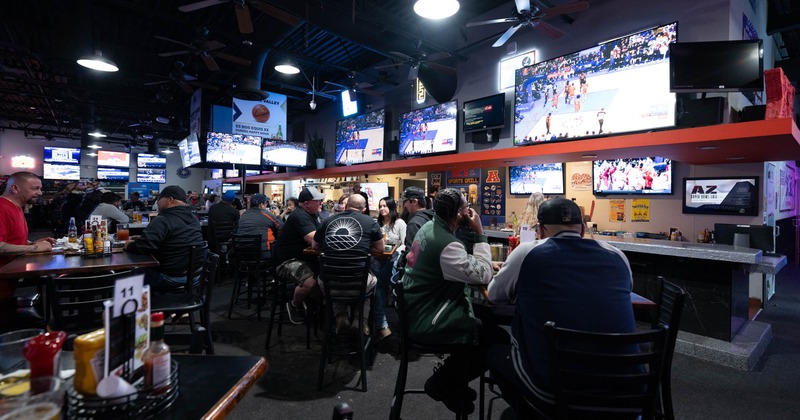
(43, 353)
(157, 357)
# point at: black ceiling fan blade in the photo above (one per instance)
(209, 60)
(577, 6)
(502, 40)
(173, 53)
(243, 18)
(231, 58)
(547, 29)
(200, 5)
(273, 11)
(523, 5)
(493, 21)
(163, 38)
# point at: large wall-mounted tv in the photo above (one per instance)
(62, 172)
(113, 174)
(145, 160)
(113, 159)
(430, 130)
(151, 176)
(722, 195)
(233, 148)
(646, 175)
(719, 66)
(190, 151)
(618, 86)
(546, 178)
(360, 139)
(484, 113)
(283, 153)
(66, 155)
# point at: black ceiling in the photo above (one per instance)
(45, 93)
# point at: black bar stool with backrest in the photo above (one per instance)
(343, 277)
(670, 307)
(282, 290)
(246, 257)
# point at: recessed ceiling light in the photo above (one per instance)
(708, 148)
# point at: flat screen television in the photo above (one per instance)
(430, 130)
(283, 153)
(151, 176)
(61, 172)
(718, 66)
(617, 86)
(113, 174)
(484, 113)
(190, 151)
(760, 236)
(360, 139)
(546, 178)
(216, 174)
(645, 175)
(375, 191)
(144, 160)
(66, 155)
(231, 187)
(233, 148)
(721, 195)
(113, 159)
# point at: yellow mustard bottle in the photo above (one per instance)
(88, 361)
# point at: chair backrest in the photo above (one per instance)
(76, 302)
(605, 374)
(221, 232)
(246, 248)
(344, 276)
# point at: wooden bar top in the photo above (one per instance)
(43, 264)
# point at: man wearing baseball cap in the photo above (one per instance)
(176, 227)
(258, 220)
(296, 235)
(578, 283)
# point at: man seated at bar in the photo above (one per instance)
(296, 235)
(577, 283)
(437, 277)
(175, 228)
(355, 232)
(224, 211)
(135, 204)
(258, 220)
(109, 209)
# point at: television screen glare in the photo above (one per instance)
(546, 178)
(731, 196)
(190, 151)
(62, 155)
(646, 175)
(719, 66)
(152, 176)
(233, 148)
(360, 139)
(62, 172)
(113, 174)
(429, 130)
(615, 87)
(349, 105)
(113, 159)
(144, 160)
(484, 113)
(283, 153)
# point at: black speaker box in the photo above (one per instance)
(752, 113)
(699, 112)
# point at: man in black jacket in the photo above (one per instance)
(175, 228)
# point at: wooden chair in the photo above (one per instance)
(670, 308)
(344, 278)
(250, 267)
(608, 375)
(197, 299)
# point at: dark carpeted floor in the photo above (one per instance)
(701, 390)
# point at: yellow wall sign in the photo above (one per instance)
(640, 210)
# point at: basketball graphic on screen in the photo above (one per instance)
(261, 113)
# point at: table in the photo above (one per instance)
(45, 264)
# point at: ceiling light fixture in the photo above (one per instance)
(287, 68)
(436, 9)
(98, 62)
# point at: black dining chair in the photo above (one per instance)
(343, 277)
(669, 311)
(197, 299)
(604, 375)
(250, 284)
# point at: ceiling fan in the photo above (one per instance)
(205, 49)
(353, 86)
(243, 12)
(533, 15)
(420, 58)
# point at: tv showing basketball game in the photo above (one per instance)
(615, 87)
(360, 139)
(646, 175)
(430, 130)
(283, 153)
(233, 148)
(546, 178)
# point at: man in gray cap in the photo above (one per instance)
(258, 220)
(577, 283)
(296, 235)
(176, 227)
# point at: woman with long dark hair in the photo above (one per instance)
(394, 233)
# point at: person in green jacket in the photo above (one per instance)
(436, 284)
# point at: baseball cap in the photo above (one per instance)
(258, 199)
(559, 211)
(229, 196)
(412, 193)
(310, 193)
(173, 191)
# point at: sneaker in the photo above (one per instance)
(296, 315)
